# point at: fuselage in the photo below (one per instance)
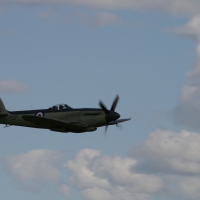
(92, 117)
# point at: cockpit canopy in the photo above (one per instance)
(60, 107)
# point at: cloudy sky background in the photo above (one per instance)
(78, 52)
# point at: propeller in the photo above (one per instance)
(112, 109)
(117, 125)
(114, 104)
(101, 104)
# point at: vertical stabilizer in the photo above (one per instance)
(3, 111)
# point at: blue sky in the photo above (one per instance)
(78, 52)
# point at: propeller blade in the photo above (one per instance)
(103, 107)
(119, 126)
(105, 131)
(115, 103)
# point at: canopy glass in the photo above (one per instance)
(60, 107)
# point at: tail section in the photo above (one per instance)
(3, 111)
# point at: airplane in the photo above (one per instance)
(62, 118)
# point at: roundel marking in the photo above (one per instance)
(39, 114)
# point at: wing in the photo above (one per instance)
(49, 123)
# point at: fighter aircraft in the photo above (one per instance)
(62, 118)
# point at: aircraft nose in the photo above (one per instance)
(111, 116)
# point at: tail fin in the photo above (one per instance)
(3, 111)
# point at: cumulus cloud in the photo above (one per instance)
(94, 19)
(190, 186)
(165, 165)
(190, 7)
(102, 19)
(100, 176)
(192, 30)
(169, 153)
(13, 86)
(174, 157)
(180, 6)
(188, 108)
(187, 112)
(65, 190)
(35, 167)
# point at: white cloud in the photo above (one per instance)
(174, 157)
(173, 6)
(94, 19)
(101, 176)
(117, 193)
(191, 186)
(169, 153)
(65, 190)
(36, 167)
(165, 165)
(188, 91)
(96, 194)
(187, 111)
(13, 86)
(102, 19)
(191, 29)
(84, 177)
